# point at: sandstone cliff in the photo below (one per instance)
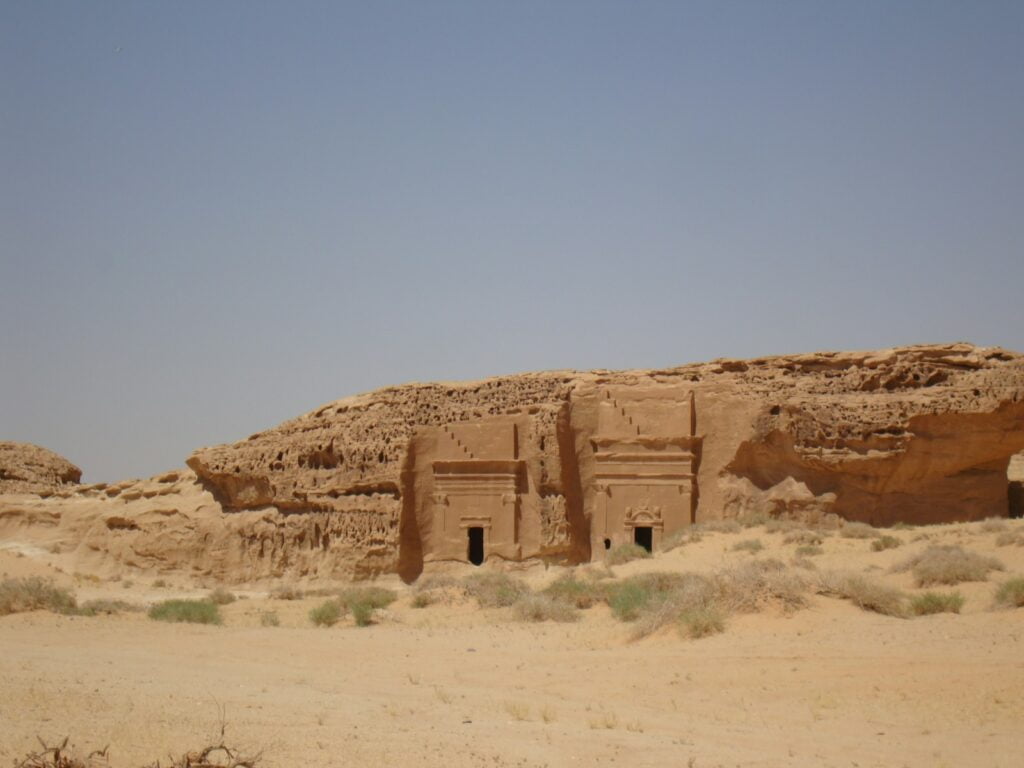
(562, 465)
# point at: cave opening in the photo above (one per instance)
(643, 537)
(475, 547)
(1015, 494)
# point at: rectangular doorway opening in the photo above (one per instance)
(643, 537)
(475, 551)
(1016, 499)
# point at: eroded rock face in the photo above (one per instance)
(27, 468)
(564, 465)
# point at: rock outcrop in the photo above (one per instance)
(27, 468)
(563, 465)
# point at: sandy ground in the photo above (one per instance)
(456, 685)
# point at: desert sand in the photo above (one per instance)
(456, 685)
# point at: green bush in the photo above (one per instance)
(544, 608)
(327, 614)
(362, 612)
(33, 594)
(495, 590)
(422, 599)
(1011, 593)
(935, 602)
(190, 611)
(885, 542)
(624, 553)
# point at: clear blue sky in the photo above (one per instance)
(216, 216)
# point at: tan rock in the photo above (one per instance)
(27, 468)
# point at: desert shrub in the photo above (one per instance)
(375, 597)
(544, 608)
(780, 525)
(362, 612)
(1010, 594)
(701, 622)
(107, 607)
(623, 553)
(495, 590)
(34, 593)
(753, 519)
(286, 592)
(885, 542)
(852, 530)
(809, 550)
(993, 525)
(754, 584)
(948, 564)
(221, 596)
(680, 538)
(803, 562)
(423, 598)
(864, 593)
(748, 545)
(327, 614)
(630, 597)
(581, 593)
(936, 602)
(1010, 538)
(717, 526)
(669, 597)
(269, 619)
(187, 611)
(803, 536)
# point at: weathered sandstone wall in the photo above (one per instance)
(562, 465)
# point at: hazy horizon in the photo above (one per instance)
(217, 217)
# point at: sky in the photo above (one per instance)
(217, 216)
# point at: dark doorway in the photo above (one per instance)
(607, 543)
(643, 537)
(1016, 496)
(476, 545)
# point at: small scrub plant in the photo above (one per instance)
(286, 592)
(1010, 538)
(948, 564)
(186, 611)
(753, 519)
(518, 710)
(221, 596)
(624, 553)
(106, 608)
(159, 584)
(809, 550)
(804, 537)
(544, 608)
(327, 614)
(581, 593)
(885, 542)
(780, 525)
(748, 545)
(993, 525)
(1010, 594)
(422, 599)
(362, 613)
(864, 593)
(269, 619)
(33, 594)
(853, 530)
(935, 602)
(495, 590)
(701, 622)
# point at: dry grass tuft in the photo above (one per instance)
(885, 542)
(853, 530)
(993, 525)
(717, 526)
(495, 590)
(809, 550)
(35, 594)
(581, 593)
(221, 596)
(1010, 594)
(803, 536)
(544, 608)
(624, 553)
(935, 602)
(948, 564)
(1010, 538)
(864, 593)
(748, 545)
(186, 611)
(701, 622)
(286, 592)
